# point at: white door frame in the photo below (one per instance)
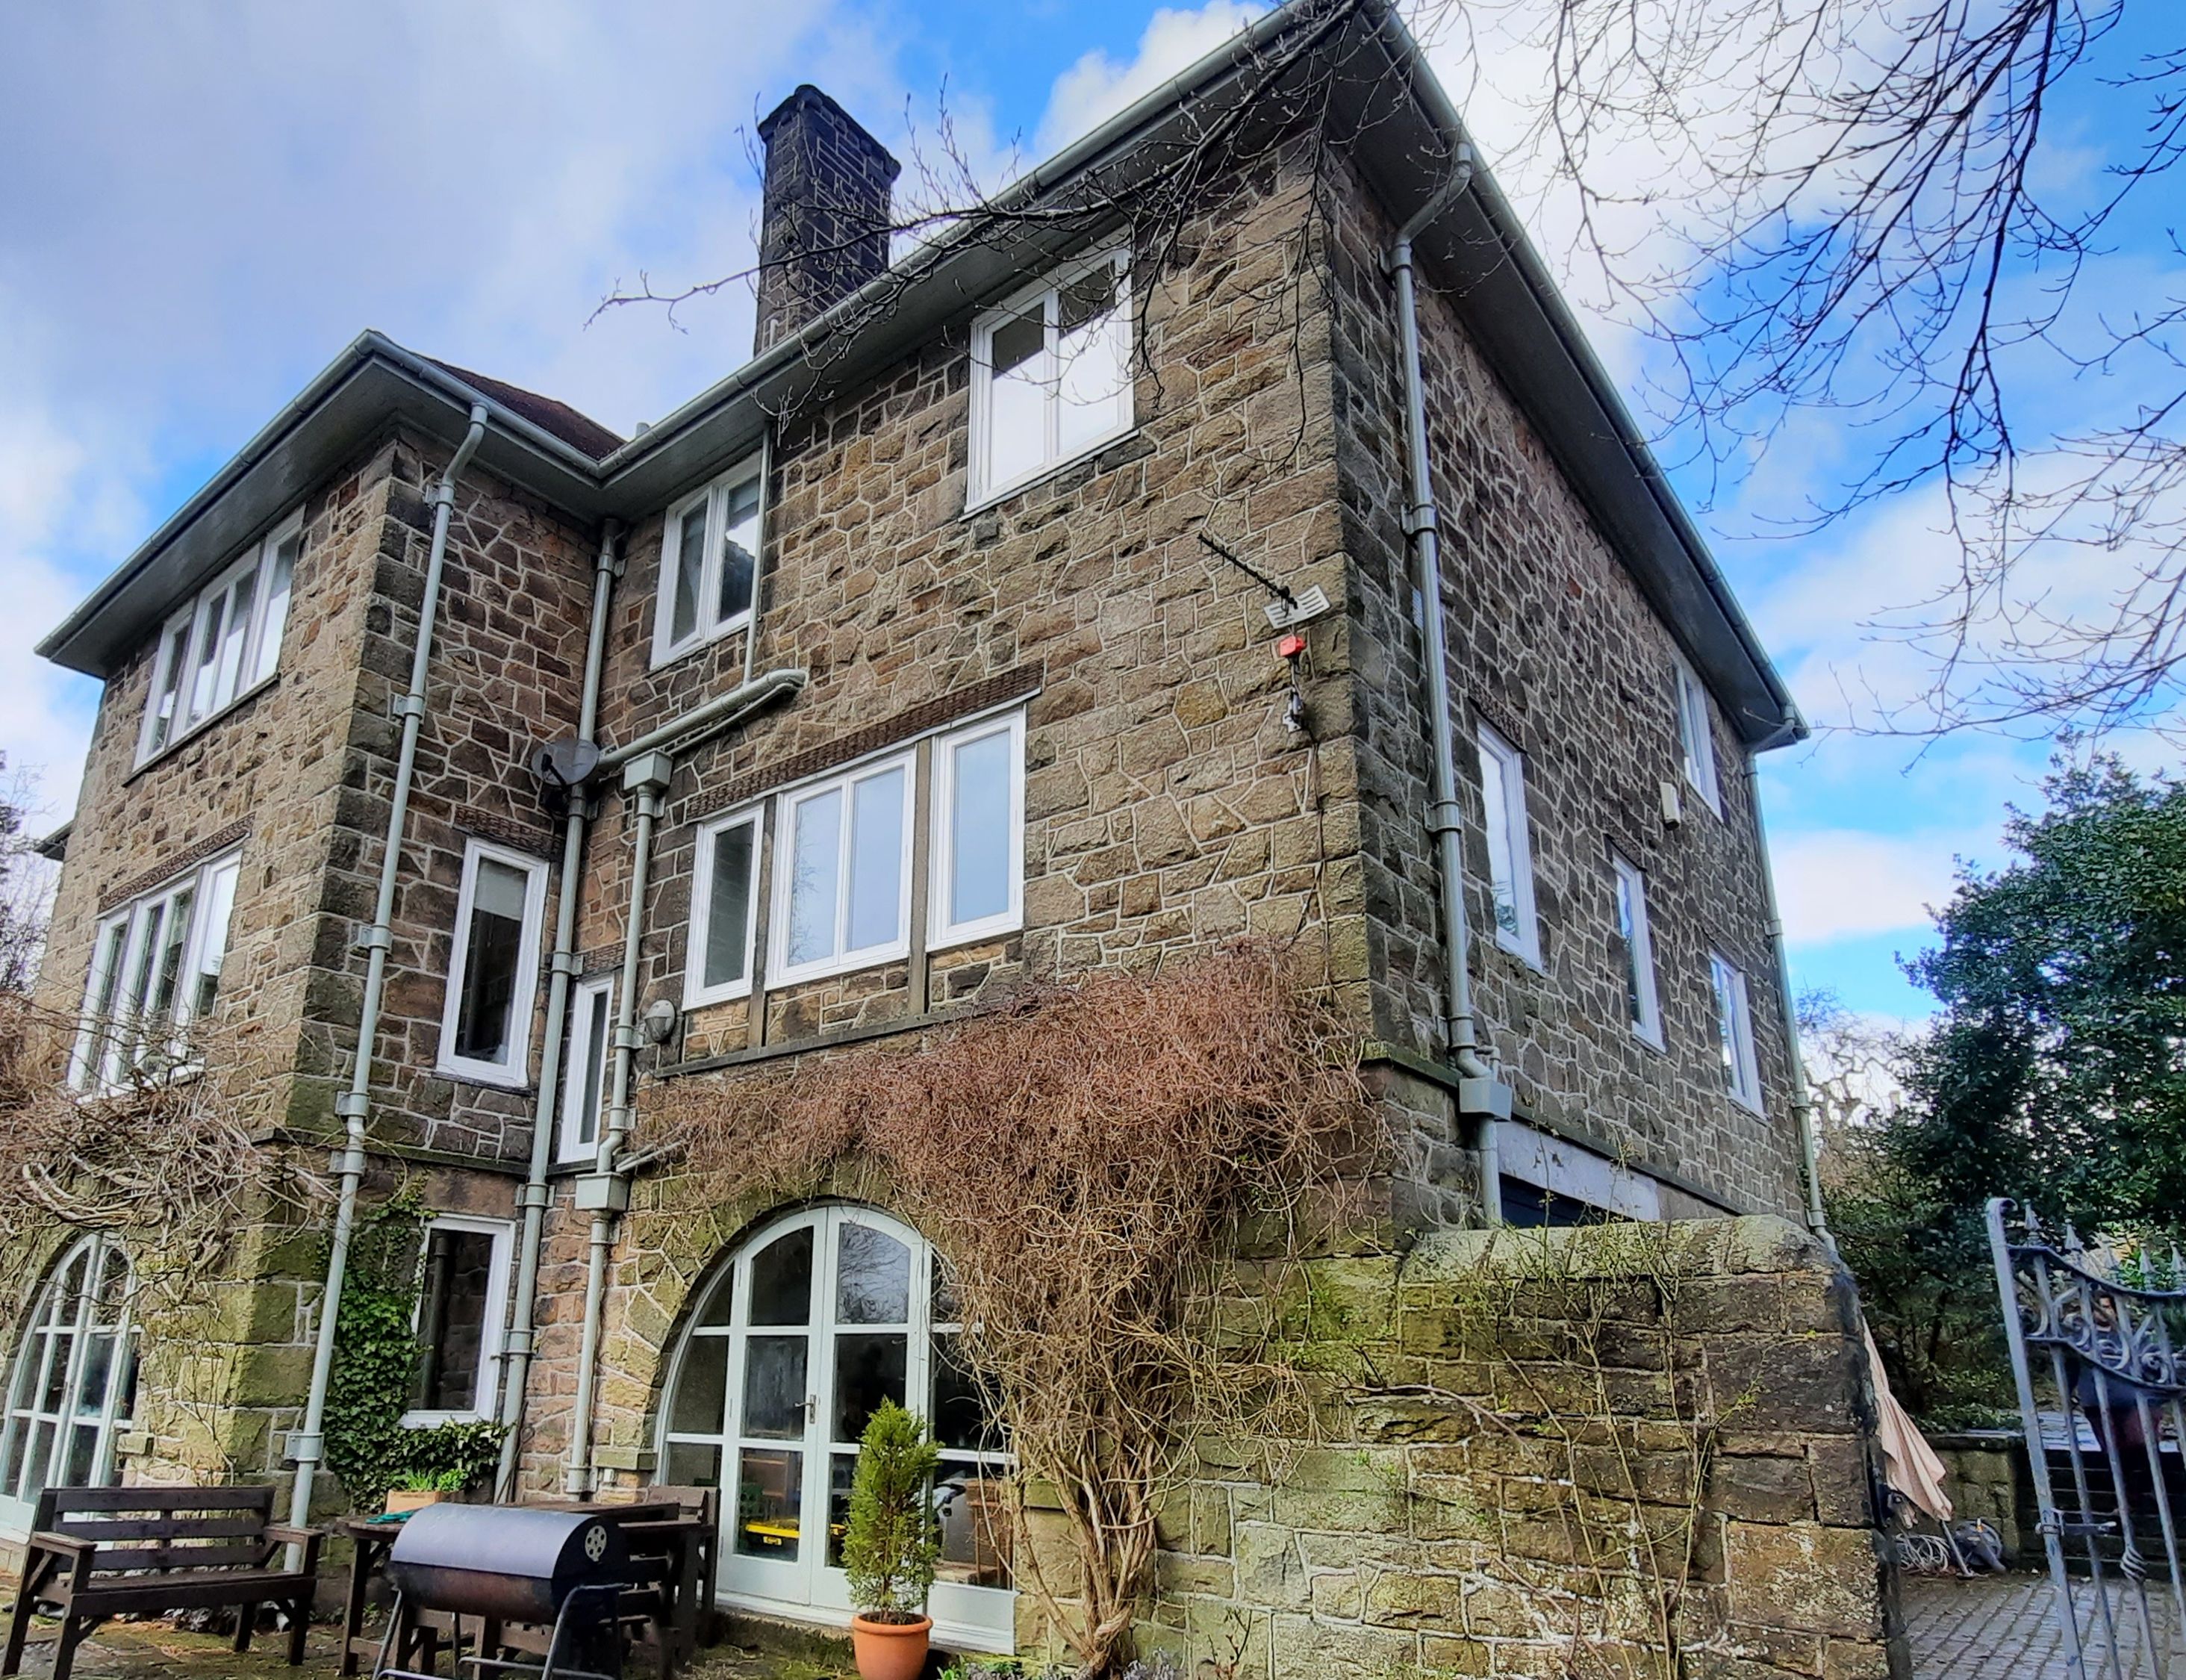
(977, 1618)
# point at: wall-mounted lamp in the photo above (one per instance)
(659, 1021)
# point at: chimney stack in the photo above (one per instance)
(823, 213)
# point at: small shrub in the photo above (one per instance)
(889, 1547)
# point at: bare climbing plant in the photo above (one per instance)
(1086, 1159)
(177, 1162)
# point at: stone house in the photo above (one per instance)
(1047, 602)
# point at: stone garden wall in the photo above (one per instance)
(1621, 1450)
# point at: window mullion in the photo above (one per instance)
(709, 615)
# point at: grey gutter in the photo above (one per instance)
(366, 348)
(1571, 339)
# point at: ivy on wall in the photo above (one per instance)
(375, 1357)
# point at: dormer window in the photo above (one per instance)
(1051, 375)
(224, 643)
(709, 563)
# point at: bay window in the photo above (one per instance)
(225, 642)
(1051, 374)
(709, 563)
(485, 1023)
(155, 969)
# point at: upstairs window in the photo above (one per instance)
(979, 839)
(155, 969)
(720, 966)
(709, 563)
(844, 850)
(1510, 852)
(485, 1025)
(224, 643)
(842, 892)
(587, 1066)
(1634, 948)
(1696, 737)
(1051, 375)
(1734, 1026)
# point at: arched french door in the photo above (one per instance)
(818, 1318)
(73, 1390)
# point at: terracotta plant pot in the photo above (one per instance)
(411, 1498)
(890, 1650)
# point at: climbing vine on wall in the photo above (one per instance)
(375, 1357)
(1126, 1129)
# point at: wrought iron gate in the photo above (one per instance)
(2092, 1330)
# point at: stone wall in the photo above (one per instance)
(1622, 1450)
(1552, 644)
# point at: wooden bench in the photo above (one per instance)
(96, 1552)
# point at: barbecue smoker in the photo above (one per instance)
(500, 1564)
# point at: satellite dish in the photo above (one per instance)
(562, 767)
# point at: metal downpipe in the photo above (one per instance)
(307, 1445)
(579, 1474)
(522, 1331)
(1802, 1099)
(1460, 1028)
(647, 763)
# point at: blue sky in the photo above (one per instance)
(204, 205)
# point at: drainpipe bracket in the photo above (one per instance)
(630, 1038)
(406, 707)
(1483, 1099)
(647, 773)
(376, 939)
(305, 1448)
(602, 1193)
(1445, 816)
(534, 1194)
(1421, 518)
(351, 1104)
(571, 963)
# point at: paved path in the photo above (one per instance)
(2000, 1628)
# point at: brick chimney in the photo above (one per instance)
(823, 214)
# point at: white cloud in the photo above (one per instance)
(1842, 883)
(1097, 86)
(202, 208)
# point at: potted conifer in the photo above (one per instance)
(889, 1547)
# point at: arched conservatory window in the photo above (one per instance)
(73, 1390)
(816, 1319)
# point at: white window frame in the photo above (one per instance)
(95, 1068)
(780, 972)
(1734, 1010)
(490, 1334)
(1629, 884)
(260, 658)
(1525, 943)
(941, 933)
(517, 1072)
(1696, 736)
(577, 1069)
(716, 496)
(696, 993)
(979, 490)
(59, 1328)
